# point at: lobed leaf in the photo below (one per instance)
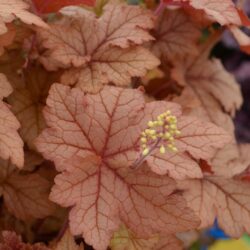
(175, 35)
(25, 195)
(125, 239)
(97, 155)
(11, 145)
(208, 77)
(231, 161)
(28, 100)
(75, 130)
(223, 12)
(11, 9)
(104, 195)
(224, 199)
(204, 97)
(101, 50)
(199, 103)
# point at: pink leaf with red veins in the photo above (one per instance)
(104, 196)
(94, 139)
(221, 198)
(11, 145)
(98, 51)
(109, 124)
(224, 12)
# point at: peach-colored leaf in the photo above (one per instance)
(101, 50)
(223, 12)
(25, 194)
(118, 68)
(84, 125)
(200, 138)
(68, 243)
(12, 241)
(169, 242)
(124, 239)
(28, 100)
(201, 73)
(11, 9)
(5, 87)
(123, 25)
(107, 127)
(178, 166)
(75, 129)
(11, 145)
(200, 98)
(226, 199)
(105, 194)
(175, 35)
(231, 161)
(7, 38)
(196, 101)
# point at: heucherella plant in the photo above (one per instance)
(116, 124)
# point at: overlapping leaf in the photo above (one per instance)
(105, 194)
(11, 9)
(11, 145)
(231, 161)
(199, 139)
(28, 100)
(226, 199)
(223, 12)
(200, 103)
(5, 87)
(175, 34)
(75, 129)
(7, 38)
(124, 239)
(101, 50)
(208, 77)
(206, 84)
(25, 194)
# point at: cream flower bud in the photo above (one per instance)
(145, 151)
(162, 149)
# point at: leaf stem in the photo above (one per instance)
(63, 229)
(159, 8)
